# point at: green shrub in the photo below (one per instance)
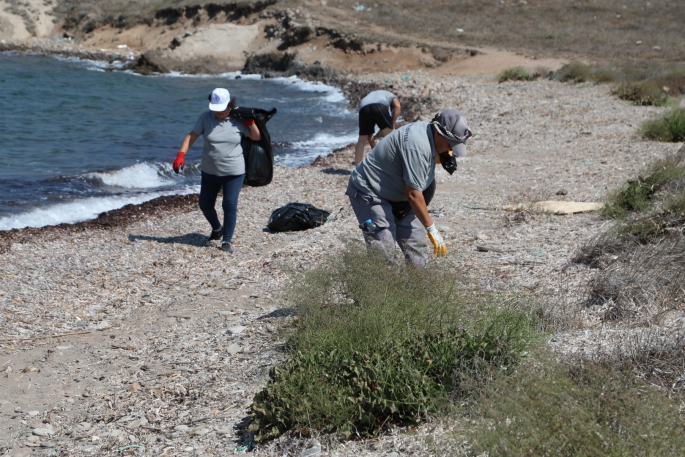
(670, 127)
(586, 409)
(516, 74)
(637, 195)
(575, 72)
(642, 93)
(375, 344)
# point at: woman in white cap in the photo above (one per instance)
(223, 165)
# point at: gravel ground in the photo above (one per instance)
(168, 339)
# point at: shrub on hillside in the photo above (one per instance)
(670, 127)
(377, 344)
(586, 408)
(637, 194)
(516, 74)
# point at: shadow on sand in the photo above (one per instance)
(191, 239)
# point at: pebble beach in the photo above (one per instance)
(132, 333)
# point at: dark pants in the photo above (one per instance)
(209, 190)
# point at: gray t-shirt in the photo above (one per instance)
(222, 154)
(405, 156)
(382, 97)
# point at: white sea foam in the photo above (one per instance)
(81, 209)
(307, 151)
(332, 94)
(229, 75)
(138, 176)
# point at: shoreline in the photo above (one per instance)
(353, 89)
(160, 312)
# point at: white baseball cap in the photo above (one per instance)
(219, 99)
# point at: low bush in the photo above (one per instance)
(670, 127)
(642, 93)
(375, 345)
(574, 72)
(637, 195)
(582, 409)
(516, 74)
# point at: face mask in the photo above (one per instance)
(448, 161)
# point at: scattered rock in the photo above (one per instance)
(314, 449)
(182, 428)
(236, 330)
(233, 349)
(42, 432)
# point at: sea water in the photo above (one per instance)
(78, 137)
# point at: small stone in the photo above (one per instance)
(47, 444)
(182, 428)
(70, 400)
(224, 431)
(188, 449)
(200, 431)
(81, 324)
(104, 325)
(173, 435)
(62, 348)
(33, 413)
(656, 48)
(42, 432)
(133, 387)
(236, 330)
(233, 349)
(313, 450)
(562, 192)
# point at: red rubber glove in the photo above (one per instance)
(180, 161)
(249, 122)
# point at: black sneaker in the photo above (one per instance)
(226, 247)
(216, 235)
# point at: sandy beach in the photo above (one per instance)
(150, 315)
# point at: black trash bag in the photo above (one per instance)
(297, 216)
(259, 156)
(401, 209)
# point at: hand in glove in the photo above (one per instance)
(439, 246)
(180, 161)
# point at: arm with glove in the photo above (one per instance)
(418, 204)
(180, 161)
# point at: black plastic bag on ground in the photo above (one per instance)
(297, 216)
(259, 156)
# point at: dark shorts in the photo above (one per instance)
(374, 114)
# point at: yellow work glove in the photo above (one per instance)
(439, 246)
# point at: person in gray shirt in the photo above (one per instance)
(223, 164)
(386, 189)
(381, 108)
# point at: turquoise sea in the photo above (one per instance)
(80, 137)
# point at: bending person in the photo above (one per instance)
(223, 165)
(381, 108)
(386, 188)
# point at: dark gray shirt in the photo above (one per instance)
(222, 154)
(382, 97)
(406, 156)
